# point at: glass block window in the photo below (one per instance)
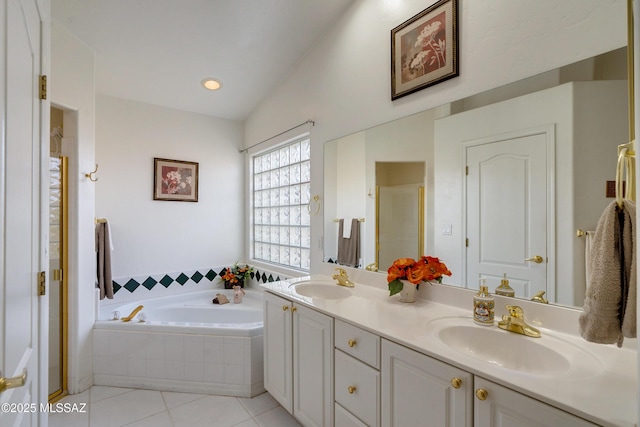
(281, 194)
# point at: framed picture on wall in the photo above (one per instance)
(175, 180)
(424, 49)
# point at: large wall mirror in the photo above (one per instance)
(510, 179)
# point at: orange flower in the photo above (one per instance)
(426, 269)
(417, 272)
(395, 273)
(404, 262)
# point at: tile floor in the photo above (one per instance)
(117, 407)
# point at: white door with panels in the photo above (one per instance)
(508, 197)
(21, 257)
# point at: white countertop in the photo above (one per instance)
(601, 387)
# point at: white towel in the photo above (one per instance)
(346, 229)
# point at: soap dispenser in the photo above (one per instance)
(504, 289)
(483, 305)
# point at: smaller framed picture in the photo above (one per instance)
(175, 180)
(424, 49)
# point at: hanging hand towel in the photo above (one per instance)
(349, 249)
(103, 262)
(610, 305)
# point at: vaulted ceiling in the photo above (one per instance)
(159, 51)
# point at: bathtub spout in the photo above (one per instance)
(133, 314)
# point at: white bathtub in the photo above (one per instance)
(187, 344)
(191, 313)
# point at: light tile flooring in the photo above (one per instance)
(117, 407)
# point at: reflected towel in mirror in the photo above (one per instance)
(349, 248)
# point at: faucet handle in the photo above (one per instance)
(341, 271)
(539, 297)
(515, 311)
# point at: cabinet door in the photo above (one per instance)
(507, 408)
(312, 367)
(278, 349)
(418, 390)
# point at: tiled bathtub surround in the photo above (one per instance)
(196, 363)
(150, 286)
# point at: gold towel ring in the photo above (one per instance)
(315, 211)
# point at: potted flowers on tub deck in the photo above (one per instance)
(405, 274)
(236, 275)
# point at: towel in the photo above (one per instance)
(610, 304)
(588, 244)
(346, 229)
(349, 248)
(103, 253)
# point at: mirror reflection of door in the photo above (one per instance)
(399, 211)
(57, 291)
(507, 211)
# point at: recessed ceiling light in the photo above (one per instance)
(211, 84)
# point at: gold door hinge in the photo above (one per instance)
(466, 170)
(466, 242)
(43, 87)
(42, 283)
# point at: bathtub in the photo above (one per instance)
(185, 344)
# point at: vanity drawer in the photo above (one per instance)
(358, 343)
(344, 418)
(357, 388)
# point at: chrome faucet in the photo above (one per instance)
(342, 278)
(538, 297)
(514, 322)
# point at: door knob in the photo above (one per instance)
(19, 381)
(537, 259)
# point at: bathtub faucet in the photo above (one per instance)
(133, 314)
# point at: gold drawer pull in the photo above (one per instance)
(456, 382)
(482, 394)
(285, 307)
(351, 389)
(293, 309)
(352, 343)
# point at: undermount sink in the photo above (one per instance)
(328, 290)
(506, 349)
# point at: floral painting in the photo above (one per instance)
(424, 49)
(175, 180)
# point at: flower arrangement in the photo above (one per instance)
(236, 275)
(426, 269)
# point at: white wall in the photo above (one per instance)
(151, 236)
(71, 87)
(344, 82)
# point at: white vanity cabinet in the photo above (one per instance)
(496, 405)
(298, 360)
(357, 376)
(418, 390)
